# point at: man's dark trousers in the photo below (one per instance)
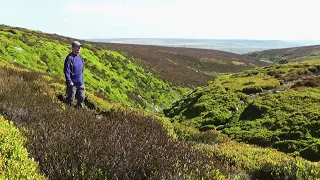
(75, 91)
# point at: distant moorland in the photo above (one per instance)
(229, 45)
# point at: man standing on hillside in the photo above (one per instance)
(73, 70)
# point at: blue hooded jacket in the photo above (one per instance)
(73, 71)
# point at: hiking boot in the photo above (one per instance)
(80, 106)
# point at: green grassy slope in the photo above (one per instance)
(107, 73)
(296, 54)
(273, 107)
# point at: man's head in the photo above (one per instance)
(76, 47)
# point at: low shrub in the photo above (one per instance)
(262, 163)
(15, 162)
(252, 90)
(212, 137)
(291, 169)
(311, 82)
(185, 133)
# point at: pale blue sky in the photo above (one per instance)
(207, 19)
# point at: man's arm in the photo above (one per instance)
(67, 70)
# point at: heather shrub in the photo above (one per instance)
(75, 144)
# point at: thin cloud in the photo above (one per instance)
(107, 9)
(209, 19)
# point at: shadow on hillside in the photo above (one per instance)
(87, 103)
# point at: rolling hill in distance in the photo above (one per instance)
(186, 66)
(286, 55)
(230, 45)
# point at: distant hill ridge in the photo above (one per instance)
(188, 66)
(239, 46)
(294, 54)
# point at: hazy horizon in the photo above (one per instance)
(226, 39)
(229, 45)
